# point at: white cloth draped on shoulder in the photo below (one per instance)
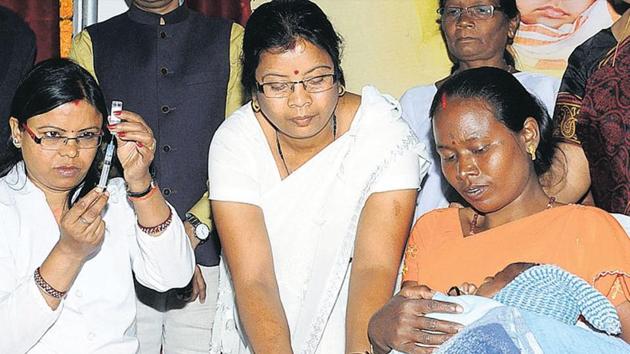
(312, 215)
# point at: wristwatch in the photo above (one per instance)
(202, 231)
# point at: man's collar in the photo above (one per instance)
(149, 18)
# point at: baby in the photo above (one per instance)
(542, 289)
(530, 308)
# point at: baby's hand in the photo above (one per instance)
(463, 289)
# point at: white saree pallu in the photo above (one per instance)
(311, 219)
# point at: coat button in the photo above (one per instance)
(165, 109)
(164, 71)
(166, 191)
(162, 34)
(166, 148)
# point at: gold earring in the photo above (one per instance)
(531, 149)
(342, 90)
(255, 106)
(16, 143)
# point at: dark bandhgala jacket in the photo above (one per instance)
(173, 70)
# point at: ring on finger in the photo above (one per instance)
(152, 145)
(84, 220)
(432, 324)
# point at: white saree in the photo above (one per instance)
(312, 215)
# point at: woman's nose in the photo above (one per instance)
(299, 97)
(465, 20)
(69, 148)
(466, 166)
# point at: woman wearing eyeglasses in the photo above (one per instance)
(477, 33)
(68, 248)
(312, 191)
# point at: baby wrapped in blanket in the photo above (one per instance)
(528, 308)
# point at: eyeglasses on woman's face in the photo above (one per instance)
(52, 140)
(477, 12)
(281, 89)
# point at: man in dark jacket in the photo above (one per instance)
(181, 72)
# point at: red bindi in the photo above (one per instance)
(295, 72)
(444, 101)
(76, 102)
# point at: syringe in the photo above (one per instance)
(109, 152)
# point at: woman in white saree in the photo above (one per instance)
(312, 191)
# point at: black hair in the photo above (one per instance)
(510, 11)
(277, 25)
(47, 86)
(511, 102)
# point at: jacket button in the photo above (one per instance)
(165, 109)
(164, 71)
(166, 148)
(162, 34)
(166, 191)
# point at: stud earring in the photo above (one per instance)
(342, 90)
(16, 143)
(531, 149)
(255, 106)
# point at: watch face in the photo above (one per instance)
(202, 232)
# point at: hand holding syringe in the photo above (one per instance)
(134, 147)
(109, 152)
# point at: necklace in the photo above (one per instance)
(284, 162)
(475, 219)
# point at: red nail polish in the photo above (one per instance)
(117, 113)
(139, 144)
(111, 126)
(121, 134)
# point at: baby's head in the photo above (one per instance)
(552, 291)
(494, 284)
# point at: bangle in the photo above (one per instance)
(154, 230)
(48, 289)
(146, 194)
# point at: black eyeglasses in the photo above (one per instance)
(280, 89)
(477, 12)
(54, 141)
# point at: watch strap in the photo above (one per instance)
(193, 220)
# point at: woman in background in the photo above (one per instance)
(593, 119)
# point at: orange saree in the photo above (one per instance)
(583, 240)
